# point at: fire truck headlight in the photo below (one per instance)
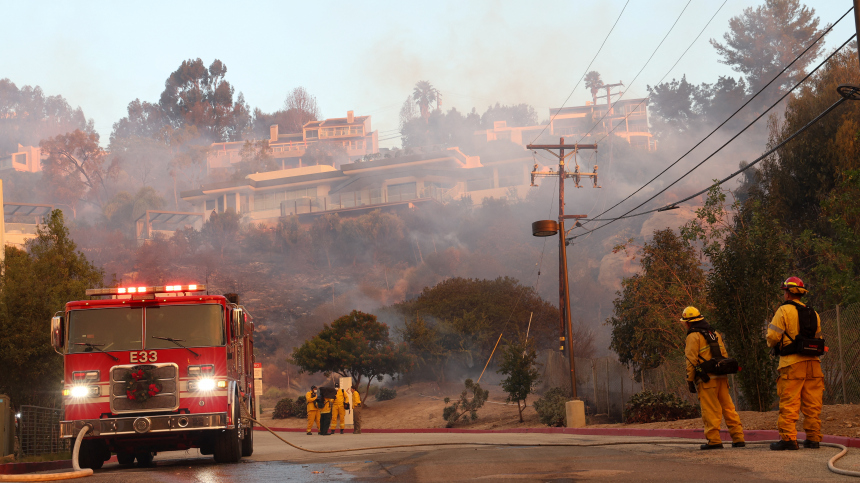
(222, 384)
(80, 391)
(206, 384)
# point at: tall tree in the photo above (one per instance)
(200, 96)
(28, 116)
(78, 168)
(645, 328)
(35, 284)
(762, 41)
(355, 345)
(593, 82)
(425, 94)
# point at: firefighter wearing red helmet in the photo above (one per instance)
(701, 345)
(795, 336)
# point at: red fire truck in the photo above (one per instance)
(154, 369)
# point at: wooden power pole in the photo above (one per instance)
(550, 227)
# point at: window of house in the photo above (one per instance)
(211, 205)
(311, 133)
(402, 192)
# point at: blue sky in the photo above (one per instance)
(362, 56)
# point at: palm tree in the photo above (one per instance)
(593, 82)
(423, 94)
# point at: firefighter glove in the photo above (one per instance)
(692, 386)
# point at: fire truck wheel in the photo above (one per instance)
(248, 442)
(124, 458)
(228, 447)
(92, 454)
(144, 459)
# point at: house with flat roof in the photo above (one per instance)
(397, 182)
(626, 118)
(26, 158)
(353, 133)
(629, 117)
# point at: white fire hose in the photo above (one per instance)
(830, 464)
(68, 475)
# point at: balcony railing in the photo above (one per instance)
(355, 199)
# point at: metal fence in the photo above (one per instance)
(606, 385)
(841, 365)
(39, 431)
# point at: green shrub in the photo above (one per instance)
(284, 409)
(465, 408)
(649, 407)
(551, 407)
(385, 394)
(274, 393)
(300, 407)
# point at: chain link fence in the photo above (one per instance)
(605, 385)
(39, 431)
(841, 364)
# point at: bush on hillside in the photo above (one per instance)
(385, 394)
(284, 409)
(300, 407)
(649, 407)
(551, 407)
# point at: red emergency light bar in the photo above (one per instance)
(148, 290)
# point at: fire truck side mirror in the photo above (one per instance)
(57, 333)
(238, 323)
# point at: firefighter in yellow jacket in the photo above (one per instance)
(713, 390)
(313, 410)
(338, 411)
(801, 383)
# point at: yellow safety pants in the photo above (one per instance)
(800, 387)
(716, 404)
(313, 417)
(337, 415)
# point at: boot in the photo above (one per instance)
(310, 433)
(739, 444)
(711, 446)
(810, 444)
(341, 431)
(783, 445)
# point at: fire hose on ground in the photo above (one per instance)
(79, 473)
(76, 472)
(830, 463)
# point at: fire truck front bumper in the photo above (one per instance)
(145, 424)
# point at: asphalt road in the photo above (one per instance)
(679, 461)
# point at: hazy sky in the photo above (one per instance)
(362, 56)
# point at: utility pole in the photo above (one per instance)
(551, 227)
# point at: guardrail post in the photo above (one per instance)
(841, 358)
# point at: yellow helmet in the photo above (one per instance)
(691, 314)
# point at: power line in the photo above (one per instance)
(584, 73)
(728, 119)
(668, 71)
(674, 204)
(608, 110)
(733, 175)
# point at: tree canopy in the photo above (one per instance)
(355, 345)
(35, 284)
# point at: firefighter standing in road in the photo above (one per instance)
(713, 390)
(338, 412)
(801, 383)
(313, 411)
(356, 411)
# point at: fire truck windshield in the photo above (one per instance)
(192, 325)
(122, 329)
(112, 329)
